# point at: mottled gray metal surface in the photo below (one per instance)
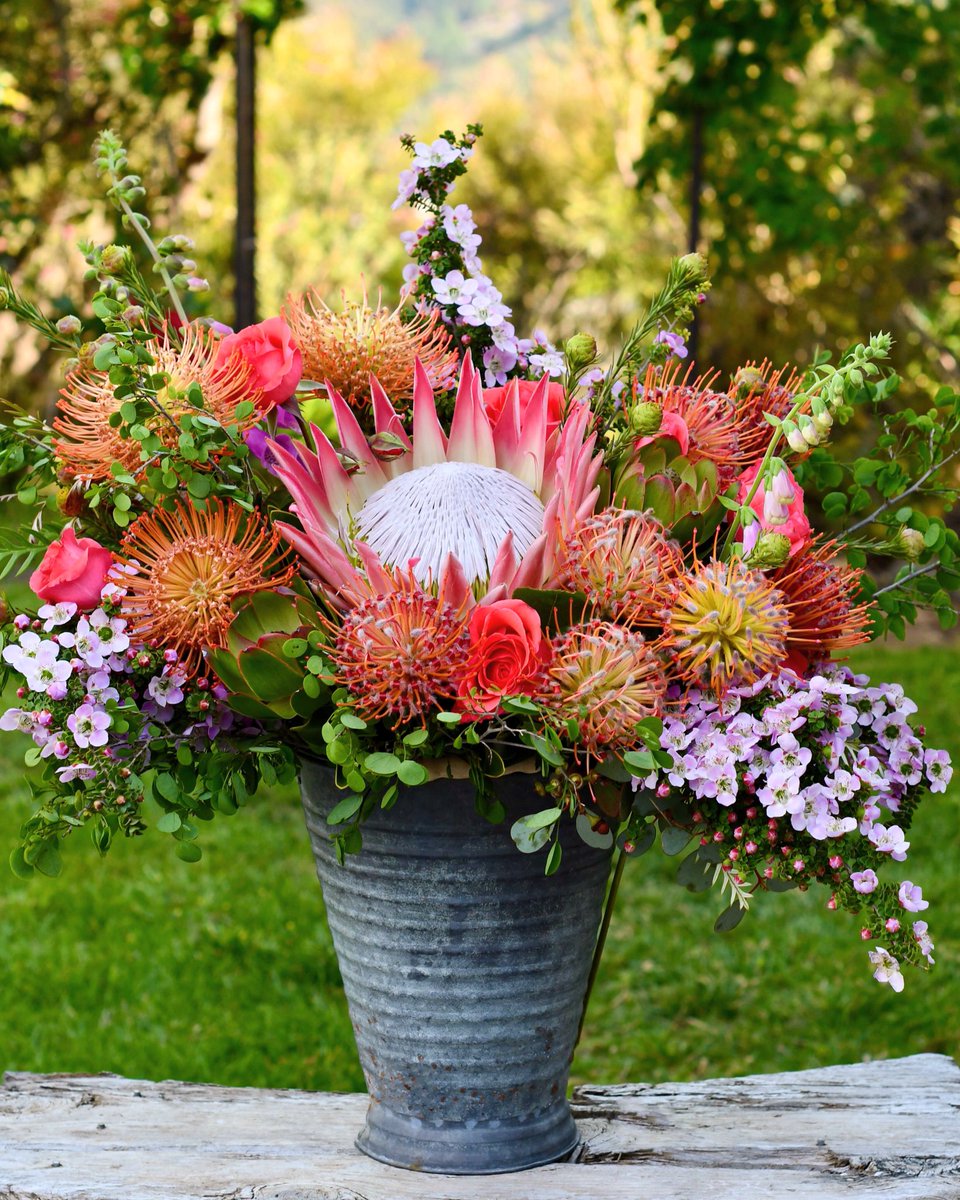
(464, 970)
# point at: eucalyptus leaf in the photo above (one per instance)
(345, 809)
(729, 919)
(602, 841)
(674, 840)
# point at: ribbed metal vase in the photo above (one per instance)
(464, 970)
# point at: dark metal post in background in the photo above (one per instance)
(245, 295)
(696, 189)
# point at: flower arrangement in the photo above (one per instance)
(414, 544)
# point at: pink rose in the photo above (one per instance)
(495, 398)
(276, 364)
(780, 510)
(73, 570)
(507, 654)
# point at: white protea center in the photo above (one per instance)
(450, 507)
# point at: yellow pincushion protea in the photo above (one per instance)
(725, 625)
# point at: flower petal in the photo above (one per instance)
(471, 438)
(429, 441)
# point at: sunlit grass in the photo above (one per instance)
(224, 970)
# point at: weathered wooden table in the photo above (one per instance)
(880, 1129)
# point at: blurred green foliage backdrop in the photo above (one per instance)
(830, 164)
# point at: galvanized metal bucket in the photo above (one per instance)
(464, 970)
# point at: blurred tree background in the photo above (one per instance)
(821, 140)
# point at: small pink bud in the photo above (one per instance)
(751, 847)
(738, 832)
(22, 622)
(21, 692)
(718, 836)
(768, 872)
(751, 813)
(835, 861)
(733, 855)
(169, 656)
(697, 818)
(663, 791)
(798, 864)
(832, 903)
(865, 935)
(628, 847)
(891, 925)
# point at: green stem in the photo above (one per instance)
(601, 938)
(155, 255)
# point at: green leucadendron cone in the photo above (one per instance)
(263, 665)
(659, 479)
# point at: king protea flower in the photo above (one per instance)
(478, 512)
(90, 445)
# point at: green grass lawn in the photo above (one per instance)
(224, 971)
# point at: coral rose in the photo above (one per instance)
(507, 655)
(73, 570)
(495, 398)
(275, 361)
(780, 510)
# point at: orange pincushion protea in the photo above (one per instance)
(89, 445)
(820, 595)
(608, 678)
(756, 390)
(700, 419)
(186, 569)
(622, 561)
(345, 348)
(401, 653)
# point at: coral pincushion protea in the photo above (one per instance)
(89, 445)
(622, 561)
(608, 678)
(480, 511)
(345, 348)
(401, 653)
(755, 390)
(185, 568)
(726, 625)
(702, 421)
(820, 595)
